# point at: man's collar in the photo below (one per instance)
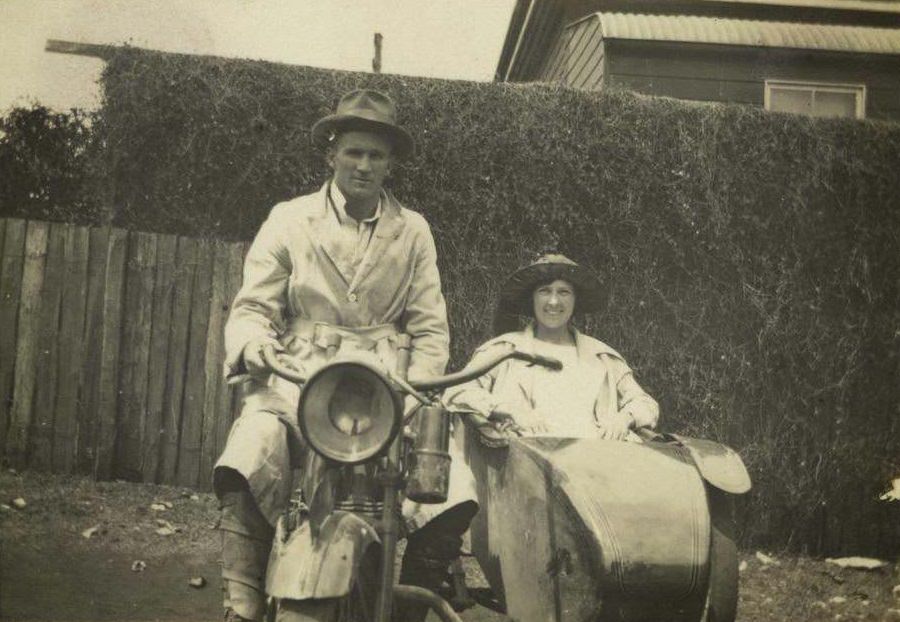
(339, 201)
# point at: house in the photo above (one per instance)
(820, 57)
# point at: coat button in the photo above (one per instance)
(351, 297)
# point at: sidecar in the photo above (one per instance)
(595, 530)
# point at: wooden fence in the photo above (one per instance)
(111, 350)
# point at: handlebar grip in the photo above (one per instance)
(270, 358)
(539, 359)
(267, 354)
(470, 373)
(547, 361)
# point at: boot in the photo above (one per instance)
(429, 553)
(461, 599)
(232, 616)
(426, 563)
(246, 542)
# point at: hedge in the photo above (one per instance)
(47, 165)
(751, 260)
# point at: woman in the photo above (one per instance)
(593, 395)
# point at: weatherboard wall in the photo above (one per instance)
(724, 74)
(579, 56)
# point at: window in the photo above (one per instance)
(816, 99)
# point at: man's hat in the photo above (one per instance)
(515, 296)
(364, 110)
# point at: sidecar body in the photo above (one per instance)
(590, 530)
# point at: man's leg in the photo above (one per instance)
(429, 553)
(246, 541)
(253, 480)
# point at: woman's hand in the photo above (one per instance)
(525, 422)
(615, 427)
(505, 422)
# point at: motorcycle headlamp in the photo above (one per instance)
(349, 412)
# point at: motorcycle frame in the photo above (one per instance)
(392, 480)
(384, 602)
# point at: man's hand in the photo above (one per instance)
(615, 427)
(253, 360)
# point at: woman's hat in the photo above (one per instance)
(364, 110)
(515, 296)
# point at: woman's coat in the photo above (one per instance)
(512, 383)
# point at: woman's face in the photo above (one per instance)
(553, 304)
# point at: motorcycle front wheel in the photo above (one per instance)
(357, 606)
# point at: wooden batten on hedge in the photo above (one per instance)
(750, 259)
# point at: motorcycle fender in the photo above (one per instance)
(718, 464)
(322, 565)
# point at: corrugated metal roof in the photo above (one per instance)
(699, 29)
(874, 6)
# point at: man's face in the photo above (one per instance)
(554, 304)
(361, 162)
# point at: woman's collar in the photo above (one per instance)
(531, 334)
(586, 346)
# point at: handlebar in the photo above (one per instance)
(467, 374)
(270, 358)
(278, 367)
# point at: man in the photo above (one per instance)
(346, 260)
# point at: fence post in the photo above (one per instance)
(107, 406)
(26, 343)
(11, 264)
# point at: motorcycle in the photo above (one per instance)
(568, 528)
(333, 556)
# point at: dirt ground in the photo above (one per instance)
(138, 562)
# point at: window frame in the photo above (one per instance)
(859, 90)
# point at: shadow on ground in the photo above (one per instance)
(65, 585)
